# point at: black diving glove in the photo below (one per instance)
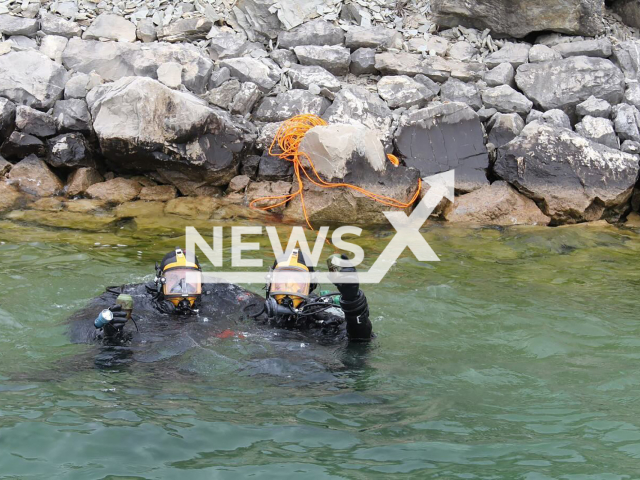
(113, 317)
(338, 274)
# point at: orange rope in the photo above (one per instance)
(288, 139)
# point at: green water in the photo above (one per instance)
(515, 357)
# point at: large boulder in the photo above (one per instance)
(571, 178)
(496, 204)
(143, 126)
(108, 26)
(33, 176)
(115, 60)
(575, 79)
(518, 18)
(445, 137)
(31, 78)
(289, 104)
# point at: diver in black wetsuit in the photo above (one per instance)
(289, 304)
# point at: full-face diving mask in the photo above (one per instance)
(180, 281)
(289, 285)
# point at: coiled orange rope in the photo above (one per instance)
(288, 139)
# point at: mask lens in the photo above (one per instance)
(182, 281)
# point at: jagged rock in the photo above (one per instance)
(363, 61)
(629, 146)
(503, 74)
(402, 91)
(5, 167)
(629, 12)
(224, 95)
(439, 69)
(518, 18)
(496, 204)
(72, 115)
(389, 63)
(456, 91)
(33, 176)
(55, 25)
(108, 26)
(9, 196)
(434, 45)
(218, 77)
(267, 133)
(238, 184)
(69, 151)
(462, 51)
(272, 169)
(34, 122)
(144, 136)
(20, 42)
(7, 118)
(632, 95)
(372, 37)
(444, 137)
(504, 127)
(256, 19)
(594, 107)
(158, 193)
(303, 76)
(571, 178)
(514, 53)
(185, 30)
(335, 59)
(31, 78)
(80, 180)
(115, 60)
(534, 115)
(588, 48)
(191, 187)
(358, 106)
(575, 80)
(289, 104)
(252, 70)
(599, 130)
(170, 74)
(245, 99)
(626, 55)
(53, 47)
(627, 122)
(12, 25)
(257, 190)
(485, 114)
(118, 190)
(283, 58)
(227, 44)
(80, 84)
(249, 166)
(19, 145)
(315, 32)
(427, 82)
(506, 100)
(146, 31)
(542, 53)
(556, 117)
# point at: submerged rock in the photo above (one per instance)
(32, 175)
(9, 196)
(572, 179)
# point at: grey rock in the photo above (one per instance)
(51, 24)
(255, 18)
(108, 26)
(20, 145)
(556, 117)
(402, 91)
(7, 118)
(504, 127)
(334, 59)
(224, 94)
(503, 74)
(434, 45)
(514, 53)
(389, 63)
(456, 91)
(632, 94)
(629, 12)
(534, 116)
(575, 80)
(439, 69)
(627, 122)
(20, 42)
(551, 39)
(356, 105)
(542, 53)
(69, 151)
(185, 30)
(249, 166)
(462, 51)
(486, 114)
(427, 82)
(315, 32)
(146, 31)
(518, 18)
(53, 47)
(34, 122)
(303, 76)
(227, 44)
(31, 78)
(252, 70)
(626, 55)
(12, 25)
(284, 58)
(289, 104)
(594, 107)
(363, 61)
(506, 100)
(72, 115)
(218, 77)
(245, 99)
(572, 179)
(80, 84)
(443, 137)
(274, 169)
(373, 37)
(589, 48)
(170, 74)
(629, 146)
(599, 130)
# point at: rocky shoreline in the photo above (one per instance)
(123, 110)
